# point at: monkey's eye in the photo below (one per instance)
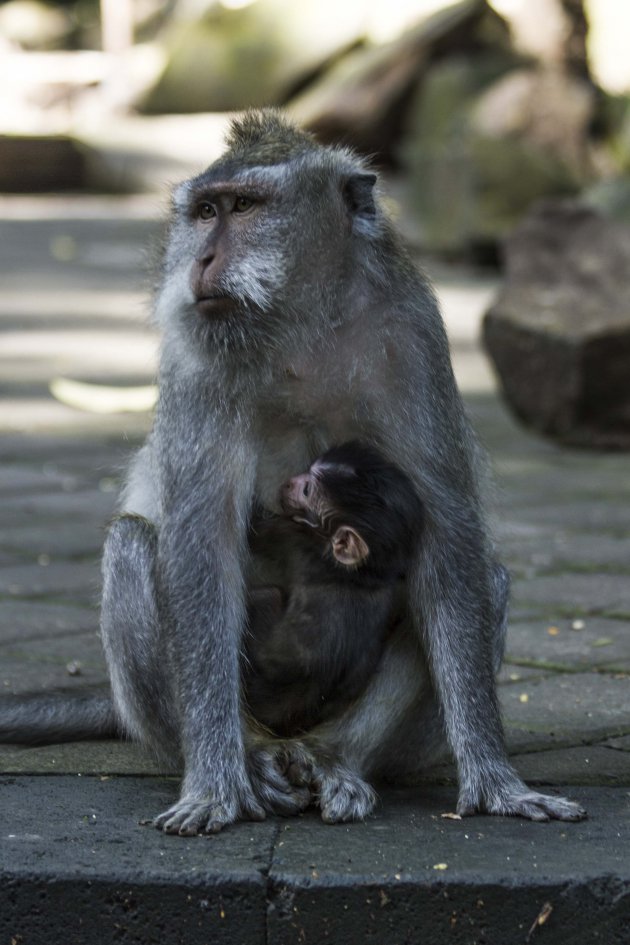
(205, 211)
(243, 204)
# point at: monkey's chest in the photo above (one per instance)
(298, 424)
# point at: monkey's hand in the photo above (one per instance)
(205, 815)
(512, 798)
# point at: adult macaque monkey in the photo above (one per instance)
(293, 319)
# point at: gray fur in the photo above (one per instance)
(333, 334)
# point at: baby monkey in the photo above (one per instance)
(338, 555)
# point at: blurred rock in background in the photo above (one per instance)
(559, 331)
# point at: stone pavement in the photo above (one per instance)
(74, 864)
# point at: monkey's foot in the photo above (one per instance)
(204, 815)
(342, 794)
(276, 793)
(525, 803)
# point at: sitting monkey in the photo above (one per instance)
(341, 547)
(292, 318)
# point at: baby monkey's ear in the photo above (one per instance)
(348, 547)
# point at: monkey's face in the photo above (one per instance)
(225, 260)
(307, 500)
(301, 499)
(258, 249)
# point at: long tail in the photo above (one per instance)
(50, 718)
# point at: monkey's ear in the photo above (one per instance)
(358, 193)
(348, 547)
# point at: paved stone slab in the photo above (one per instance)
(527, 556)
(88, 758)
(584, 764)
(575, 594)
(76, 867)
(90, 505)
(74, 579)
(513, 673)
(19, 479)
(42, 664)
(22, 620)
(598, 643)
(91, 454)
(556, 512)
(410, 876)
(621, 744)
(28, 541)
(75, 863)
(595, 515)
(524, 466)
(583, 707)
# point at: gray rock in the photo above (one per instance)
(559, 332)
(364, 99)
(30, 163)
(484, 144)
(246, 56)
(611, 196)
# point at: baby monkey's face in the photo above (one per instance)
(307, 500)
(304, 498)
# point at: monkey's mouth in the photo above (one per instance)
(215, 305)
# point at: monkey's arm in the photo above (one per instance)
(201, 550)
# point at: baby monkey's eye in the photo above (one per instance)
(242, 204)
(206, 211)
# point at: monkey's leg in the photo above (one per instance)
(337, 757)
(455, 590)
(201, 555)
(274, 791)
(132, 639)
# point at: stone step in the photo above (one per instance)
(76, 867)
